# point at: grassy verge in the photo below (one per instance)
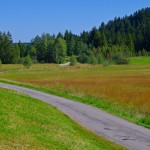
(27, 123)
(107, 106)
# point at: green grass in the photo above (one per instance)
(27, 123)
(140, 60)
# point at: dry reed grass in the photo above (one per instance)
(125, 85)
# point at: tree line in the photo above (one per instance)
(119, 38)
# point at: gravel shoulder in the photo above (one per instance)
(100, 122)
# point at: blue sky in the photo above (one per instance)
(27, 18)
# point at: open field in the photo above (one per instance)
(26, 123)
(123, 90)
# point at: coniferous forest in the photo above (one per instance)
(124, 37)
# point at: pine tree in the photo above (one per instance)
(130, 44)
(119, 39)
(103, 40)
(95, 37)
(84, 36)
(71, 46)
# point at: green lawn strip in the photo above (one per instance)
(27, 123)
(99, 103)
(140, 60)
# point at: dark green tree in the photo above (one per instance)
(83, 58)
(15, 54)
(8, 52)
(80, 48)
(71, 46)
(84, 36)
(59, 50)
(33, 54)
(130, 43)
(119, 39)
(95, 37)
(103, 40)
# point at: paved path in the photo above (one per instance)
(102, 123)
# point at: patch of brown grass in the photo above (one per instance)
(126, 85)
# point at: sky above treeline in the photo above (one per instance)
(27, 18)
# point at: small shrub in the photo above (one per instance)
(27, 62)
(106, 63)
(83, 58)
(120, 59)
(20, 61)
(94, 61)
(144, 52)
(73, 61)
(100, 59)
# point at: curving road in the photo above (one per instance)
(102, 123)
